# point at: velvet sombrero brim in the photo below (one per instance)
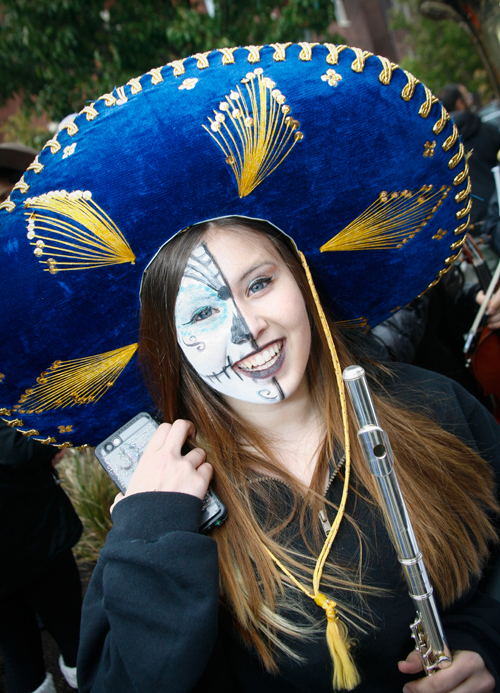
(343, 151)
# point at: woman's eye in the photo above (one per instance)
(259, 284)
(203, 314)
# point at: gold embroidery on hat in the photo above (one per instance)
(254, 53)
(463, 227)
(459, 243)
(409, 89)
(460, 196)
(94, 242)
(65, 429)
(354, 324)
(460, 177)
(227, 55)
(439, 126)
(333, 52)
(14, 423)
(430, 99)
(109, 99)
(451, 140)
(122, 96)
(90, 112)
(429, 148)
(306, 52)
(70, 128)
(21, 185)
(439, 234)
(189, 83)
(35, 165)
(69, 150)
(202, 59)
(31, 432)
(451, 260)
(358, 64)
(76, 382)
(156, 76)
(463, 212)
(458, 157)
(386, 75)
(53, 144)
(279, 51)
(390, 222)
(254, 130)
(8, 205)
(178, 67)
(135, 85)
(46, 441)
(332, 77)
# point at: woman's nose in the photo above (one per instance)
(240, 331)
(246, 329)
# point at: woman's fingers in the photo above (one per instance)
(163, 467)
(412, 664)
(179, 432)
(467, 674)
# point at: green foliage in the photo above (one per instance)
(60, 53)
(92, 493)
(441, 52)
(19, 127)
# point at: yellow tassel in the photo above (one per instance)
(345, 674)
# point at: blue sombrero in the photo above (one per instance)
(342, 150)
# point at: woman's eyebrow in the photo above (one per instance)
(254, 268)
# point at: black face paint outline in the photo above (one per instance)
(205, 270)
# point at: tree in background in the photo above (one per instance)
(440, 52)
(58, 54)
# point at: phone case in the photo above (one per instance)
(120, 453)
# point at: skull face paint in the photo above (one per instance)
(213, 334)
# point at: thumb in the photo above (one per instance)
(412, 664)
(480, 297)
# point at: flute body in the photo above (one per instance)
(427, 629)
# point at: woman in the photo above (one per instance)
(275, 474)
(168, 178)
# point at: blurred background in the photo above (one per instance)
(57, 55)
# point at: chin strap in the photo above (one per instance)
(345, 674)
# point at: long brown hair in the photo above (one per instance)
(448, 487)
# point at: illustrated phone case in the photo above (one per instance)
(120, 453)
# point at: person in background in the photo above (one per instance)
(481, 138)
(39, 576)
(38, 527)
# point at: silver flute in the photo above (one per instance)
(427, 629)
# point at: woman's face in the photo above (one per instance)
(241, 319)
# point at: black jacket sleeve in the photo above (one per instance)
(149, 620)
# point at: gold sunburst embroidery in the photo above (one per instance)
(74, 233)
(391, 221)
(79, 381)
(254, 129)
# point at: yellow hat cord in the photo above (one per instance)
(345, 674)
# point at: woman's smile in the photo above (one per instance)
(265, 363)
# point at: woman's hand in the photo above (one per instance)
(493, 311)
(163, 467)
(467, 674)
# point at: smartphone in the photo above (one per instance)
(120, 453)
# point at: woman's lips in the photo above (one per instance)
(265, 363)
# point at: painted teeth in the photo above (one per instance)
(262, 360)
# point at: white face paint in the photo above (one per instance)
(214, 336)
